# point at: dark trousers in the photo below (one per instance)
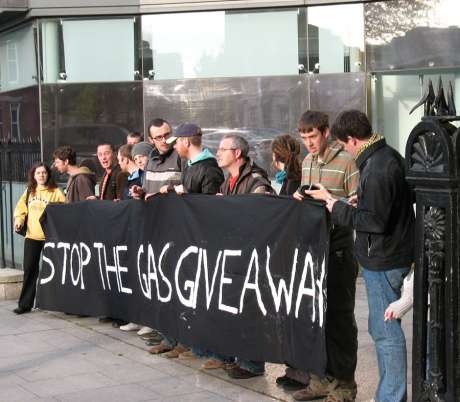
(341, 328)
(32, 250)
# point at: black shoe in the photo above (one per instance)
(117, 323)
(240, 374)
(20, 310)
(292, 385)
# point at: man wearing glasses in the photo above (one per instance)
(164, 167)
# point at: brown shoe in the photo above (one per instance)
(345, 392)
(161, 348)
(317, 388)
(239, 373)
(212, 364)
(174, 353)
(187, 355)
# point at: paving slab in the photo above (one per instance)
(48, 356)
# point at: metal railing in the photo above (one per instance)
(15, 161)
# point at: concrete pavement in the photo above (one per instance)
(47, 356)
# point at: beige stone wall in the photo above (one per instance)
(10, 283)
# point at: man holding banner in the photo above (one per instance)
(244, 177)
(327, 163)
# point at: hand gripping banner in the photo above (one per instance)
(241, 276)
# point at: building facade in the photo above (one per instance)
(92, 71)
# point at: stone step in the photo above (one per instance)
(10, 283)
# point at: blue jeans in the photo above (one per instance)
(383, 288)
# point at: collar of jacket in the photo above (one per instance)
(164, 156)
(369, 150)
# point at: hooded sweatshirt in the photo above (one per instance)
(36, 204)
(336, 170)
(202, 174)
(80, 185)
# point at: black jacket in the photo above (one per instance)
(252, 179)
(204, 177)
(384, 219)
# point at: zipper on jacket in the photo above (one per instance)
(369, 245)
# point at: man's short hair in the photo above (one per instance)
(135, 134)
(64, 153)
(157, 122)
(125, 151)
(240, 143)
(312, 119)
(112, 148)
(351, 123)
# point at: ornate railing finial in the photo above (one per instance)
(436, 104)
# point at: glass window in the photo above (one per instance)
(92, 50)
(221, 43)
(408, 34)
(336, 38)
(14, 118)
(394, 95)
(17, 59)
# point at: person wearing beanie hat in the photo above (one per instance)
(140, 154)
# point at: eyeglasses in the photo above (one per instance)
(225, 149)
(163, 137)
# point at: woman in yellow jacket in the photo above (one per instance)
(41, 191)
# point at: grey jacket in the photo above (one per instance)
(162, 169)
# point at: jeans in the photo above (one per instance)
(383, 288)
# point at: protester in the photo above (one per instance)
(113, 181)
(244, 177)
(141, 155)
(286, 161)
(201, 174)
(164, 166)
(134, 138)
(81, 182)
(327, 163)
(41, 191)
(384, 246)
(127, 165)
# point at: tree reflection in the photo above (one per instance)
(387, 20)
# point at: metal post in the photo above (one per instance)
(10, 182)
(2, 240)
(433, 169)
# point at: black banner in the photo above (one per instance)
(241, 276)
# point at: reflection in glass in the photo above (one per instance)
(404, 34)
(394, 95)
(222, 43)
(336, 38)
(17, 59)
(84, 115)
(80, 50)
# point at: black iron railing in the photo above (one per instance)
(15, 161)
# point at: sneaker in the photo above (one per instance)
(212, 364)
(144, 331)
(130, 327)
(241, 374)
(317, 388)
(161, 348)
(174, 353)
(345, 392)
